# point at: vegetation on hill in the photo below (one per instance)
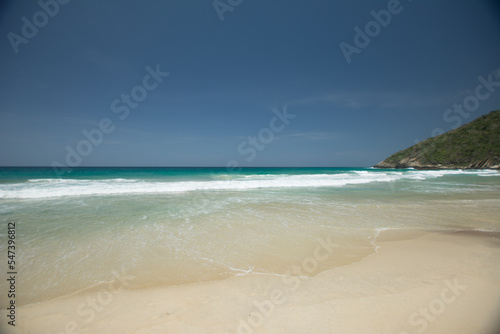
(473, 145)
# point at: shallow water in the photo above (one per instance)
(178, 226)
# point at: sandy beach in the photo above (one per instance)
(416, 282)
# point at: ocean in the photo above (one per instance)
(174, 226)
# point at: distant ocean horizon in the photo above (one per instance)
(208, 178)
(179, 225)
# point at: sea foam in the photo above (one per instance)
(54, 188)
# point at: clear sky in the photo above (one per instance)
(195, 82)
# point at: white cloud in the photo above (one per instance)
(357, 100)
(310, 136)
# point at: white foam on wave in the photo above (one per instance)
(53, 188)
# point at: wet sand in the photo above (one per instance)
(415, 282)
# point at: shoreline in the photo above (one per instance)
(434, 282)
(431, 167)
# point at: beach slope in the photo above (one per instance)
(415, 282)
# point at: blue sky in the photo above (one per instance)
(225, 78)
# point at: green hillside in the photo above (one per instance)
(473, 145)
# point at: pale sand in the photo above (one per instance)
(414, 283)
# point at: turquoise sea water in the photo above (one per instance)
(169, 226)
